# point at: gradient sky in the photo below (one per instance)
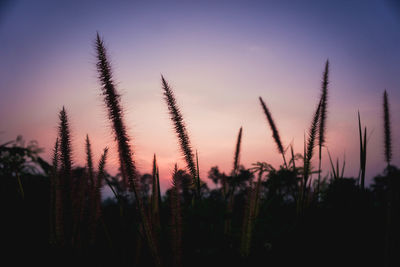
(219, 56)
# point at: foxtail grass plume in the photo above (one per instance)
(65, 143)
(115, 114)
(324, 104)
(66, 185)
(309, 151)
(387, 129)
(113, 102)
(89, 161)
(322, 119)
(274, 129)
(236, 159)
(180, 129)
(155, 201)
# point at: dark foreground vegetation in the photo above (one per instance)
(53, 213)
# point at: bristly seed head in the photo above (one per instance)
(180, 128)
(387, 129)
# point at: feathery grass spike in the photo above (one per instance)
(65, 143)
(312, 135)
(155, 201)
(308, 152)
(67, 190)
(324, 102)
(387, 130)
(236, 160)
(275, 132)
(89, 161)
(180, 129)
(115, 114)
(101, 174)
(322, 119)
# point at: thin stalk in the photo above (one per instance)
(274, 129)
(322, 121)
(128, 168)
(180, 129)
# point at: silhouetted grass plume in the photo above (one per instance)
(274, 129)
(180, 129)
(387, 129)
(128, 168)
(322, 120)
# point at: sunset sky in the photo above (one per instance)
(219, 57)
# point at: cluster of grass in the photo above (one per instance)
(279, 216)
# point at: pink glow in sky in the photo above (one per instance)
(219, 60)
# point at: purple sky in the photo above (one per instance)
(219, 56)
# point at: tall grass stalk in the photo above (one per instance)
(115, 114)
(248, 222)
(363, 153)
(392, 204)
(66, 185)
(55, 199)
(232, 184)
(180, 129)
(387, 129)
(275, 132)
(155, 201)
(309, 149)
(101, 175)
(176, 219)
(322, 121)
(91, 190)
(236, 160)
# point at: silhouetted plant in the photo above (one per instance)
(232, 184)
(392, 194)
(176, 218)
(101, 176)
(128, 169)
(180, 129)
(387, 129)
(248, 222)
(55, 200)
(336, 173)
(322, 122)
(363, 153)
(275, 132)
(236, 159)
(309, 150)
(239, 217)
(66, 184)
(155, 201)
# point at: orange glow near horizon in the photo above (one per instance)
(218, 61)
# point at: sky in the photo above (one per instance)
(219, 57)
